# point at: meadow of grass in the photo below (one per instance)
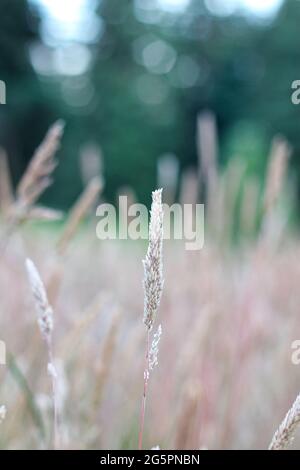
(229, 314)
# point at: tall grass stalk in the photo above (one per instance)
(45, 321)
(82, 206)
(153, 286)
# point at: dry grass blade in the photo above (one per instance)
(55, 276)
(32, 407)
(284, 435)
(280, 153)
(104, 366)
(6, 192)
(188, 419)
(249, 206)
(167, 176)
(207, 146)
(189, 187)
(91, 162)
(79, 211)
(273, 221)
(85, 319)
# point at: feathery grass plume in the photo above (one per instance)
(35, 180)
(44, 310)
(284, 435)
(45, 322)
(6, 192)
(37, 177)
(2, 413)
(79, 211)
(153, 264)
(153, 286)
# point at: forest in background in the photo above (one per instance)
(149, 74)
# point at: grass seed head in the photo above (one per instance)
(284, 435)
(44, 310)
(153, 264)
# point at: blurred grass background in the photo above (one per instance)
(189, 95)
